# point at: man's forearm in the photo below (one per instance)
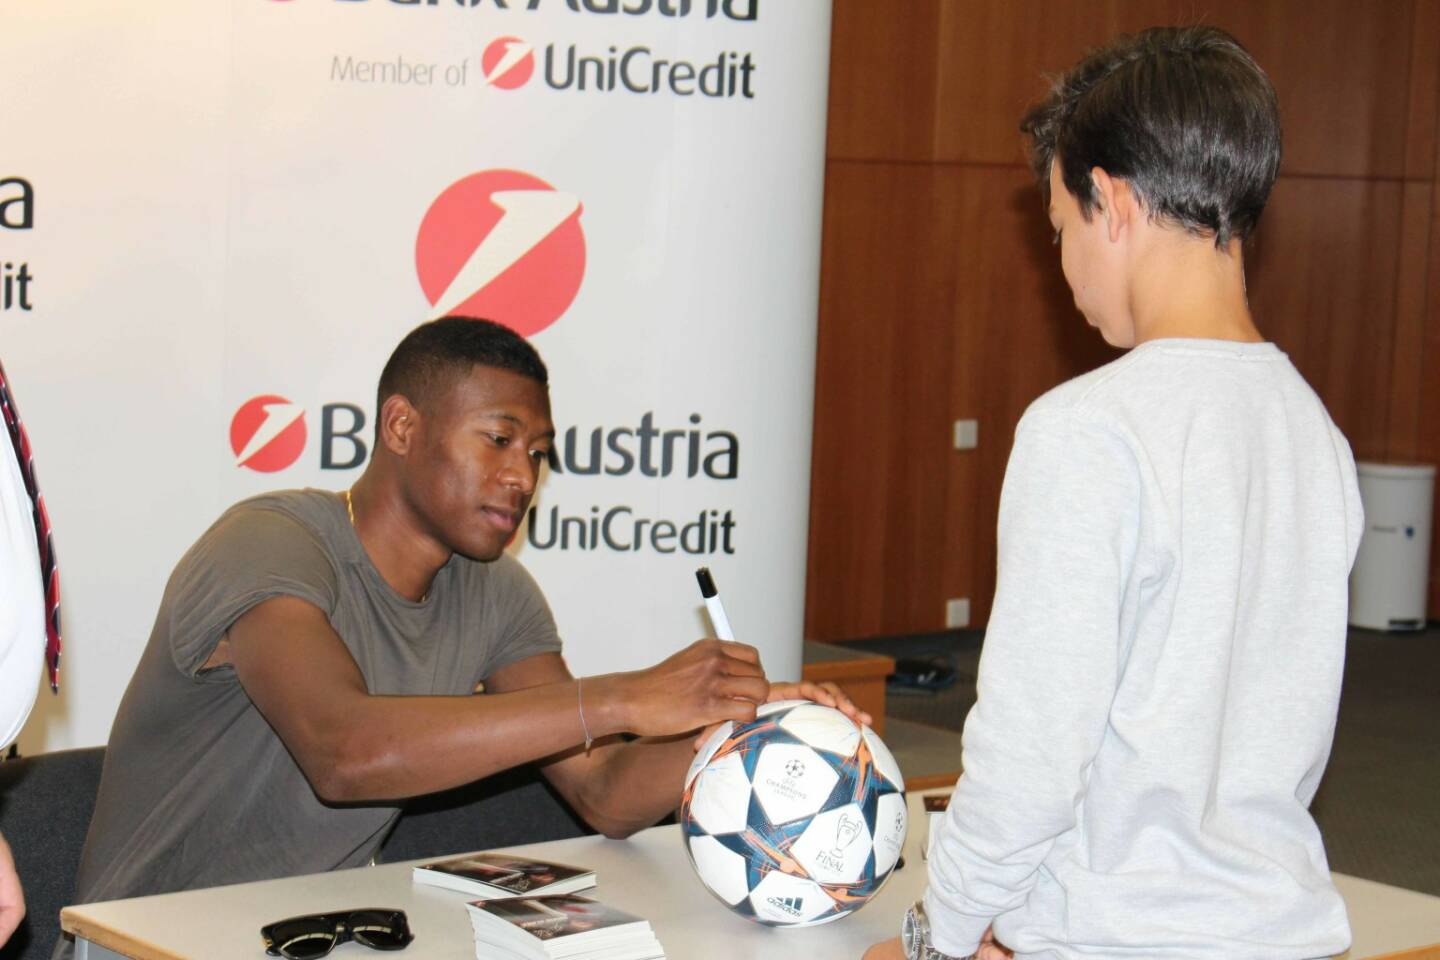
(384, 748)
(355, 746)
(634, 784)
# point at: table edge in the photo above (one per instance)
(73, 921)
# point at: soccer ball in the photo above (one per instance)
(796, 818)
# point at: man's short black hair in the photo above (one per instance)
(1183, 114)
(434, 354)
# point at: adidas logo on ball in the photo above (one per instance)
(790, 905)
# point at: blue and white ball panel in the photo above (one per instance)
(779, 706)
(721, 801)
(703, 755)
(884, 759)
(890, 822)
(821, 728)
(835, 847)
(724, 870)
(791, 781)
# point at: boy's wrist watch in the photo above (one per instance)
(915, 936)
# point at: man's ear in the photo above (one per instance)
(399, 420)
(1116, 201)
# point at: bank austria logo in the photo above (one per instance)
(503, 245)
(508, 63)
(267, 433)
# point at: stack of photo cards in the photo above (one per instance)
(487, 876)
(563, 927)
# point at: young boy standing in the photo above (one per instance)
(1161, 673)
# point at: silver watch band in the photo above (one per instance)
(915, 936)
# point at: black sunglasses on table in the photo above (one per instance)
(316, 934)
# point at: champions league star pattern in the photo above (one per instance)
(796, 818)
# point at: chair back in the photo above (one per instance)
(45, 807)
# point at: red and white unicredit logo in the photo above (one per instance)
(508, 63)
(267, 433)
(502, 245)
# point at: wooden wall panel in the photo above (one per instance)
(941, 296)
(1340, 69)
(1412, 272)
(882, 80)
(1344, 91)
(878, 466)
(1017, 334)
(1428, 432)
(1423, 123)
(1322, 286)
(1425, 156)
(993, 61)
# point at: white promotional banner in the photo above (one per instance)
(238, 212)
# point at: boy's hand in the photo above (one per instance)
(889, 950)
(990, 949)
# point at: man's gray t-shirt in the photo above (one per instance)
(198, 790)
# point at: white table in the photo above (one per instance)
(648, 875)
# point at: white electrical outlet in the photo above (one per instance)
(967, 434)
(957, 613)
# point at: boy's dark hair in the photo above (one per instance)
(1183, 114)
(435, 353)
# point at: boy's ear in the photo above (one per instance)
(1115, 199)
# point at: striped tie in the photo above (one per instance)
(49, 576)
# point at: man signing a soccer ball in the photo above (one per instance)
(316, 655)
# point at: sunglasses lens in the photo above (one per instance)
(303, 939)
(380, 930)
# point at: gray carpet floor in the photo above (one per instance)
(1379, 804)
